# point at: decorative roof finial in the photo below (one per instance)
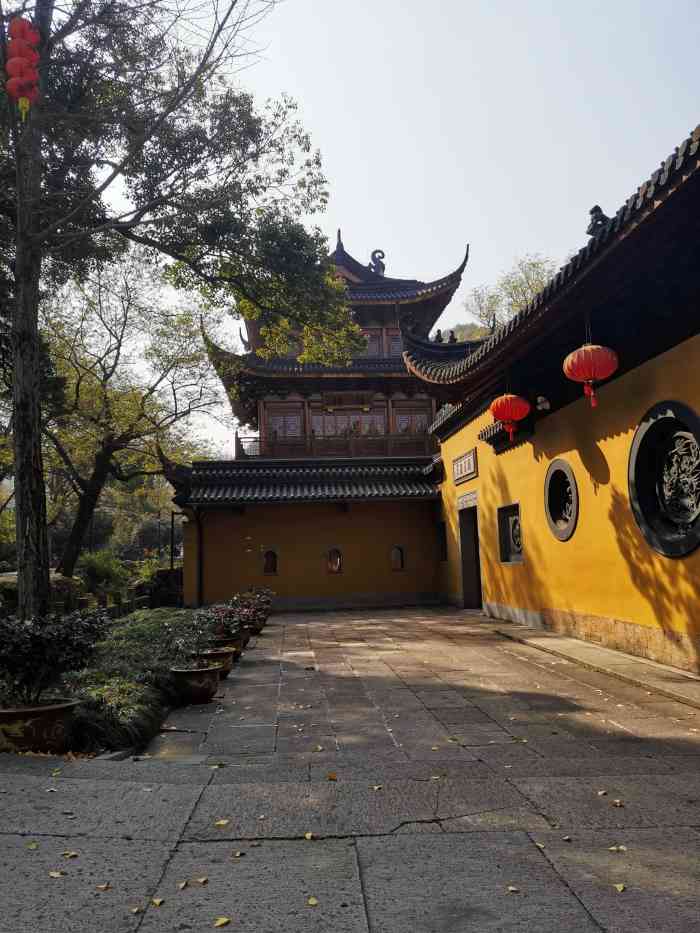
(376, 265)
(339, 244)
(597, 222)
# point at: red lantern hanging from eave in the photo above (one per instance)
(510, 409)
(589, 364)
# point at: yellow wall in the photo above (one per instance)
(606, 571)
(302, 535)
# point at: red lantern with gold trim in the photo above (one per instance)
(21, 61)
(590, 363)
(510, 409)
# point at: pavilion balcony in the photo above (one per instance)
(353, 445)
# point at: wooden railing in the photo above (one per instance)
(354, 445)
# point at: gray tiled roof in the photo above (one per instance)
(672, 173)
(241, 482)
(291, 366)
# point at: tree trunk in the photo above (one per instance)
(33, 596)
(86, 509)
(33, 584)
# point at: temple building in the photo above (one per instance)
(546, 474)
(331, 499)
(588, 521)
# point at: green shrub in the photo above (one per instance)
(102, 572)
(115, 713)
(36, 653)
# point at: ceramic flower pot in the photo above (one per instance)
(222, 656)
(196, 685)
(36, 728)
(234, 642)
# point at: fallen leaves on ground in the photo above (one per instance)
(104, 887)
(312, 902)
(181, 885)
(222, 921)
(332, 776)
(222, 823)
(308, 835)
(238, 854)
(617, 848)
(157, 901)
(202, 881)
(511, 889)
(55, 772)
(602, 793)
(56, 874)
(137, 910)
(620, 888)
(618, 803)
(32, 845)
(540, 845)
(69, 853)
(566, 838)
(318, 748)
(377, 786)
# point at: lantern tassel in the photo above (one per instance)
(510, 428)
(23, 104)
(589, 392)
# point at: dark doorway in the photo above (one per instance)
(471, 565)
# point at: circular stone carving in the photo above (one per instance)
(664, 478)
(561, 499)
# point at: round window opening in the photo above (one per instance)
(664, 478)
(561, 499)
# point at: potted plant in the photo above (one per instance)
(227, 630)
(34, 655)
(195, 676)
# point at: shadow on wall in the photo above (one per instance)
(669, 585)
(518, 585)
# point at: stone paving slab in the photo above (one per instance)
(455, 883)
(174, 745)
(254, 811)
(509, 818)
(659, 870)
(463, 796)
(33, 902)
(647, 801)
(257, 811)
(95, 808)
(149, 771)
(227, 739)
(642, 673)
(266, 890)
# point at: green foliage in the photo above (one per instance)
(494, 305)
(115, 713)
(102, 572)
(35, 653)
(189, 637)
(470, 331)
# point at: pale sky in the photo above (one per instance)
(492, 122)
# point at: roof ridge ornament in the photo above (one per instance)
(376, 265)
(598, 221)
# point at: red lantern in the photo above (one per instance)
(22, 57)
(590, 363)
(17, 48)
(22, 29)
(510, 409)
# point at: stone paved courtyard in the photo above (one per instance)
(450, 779)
